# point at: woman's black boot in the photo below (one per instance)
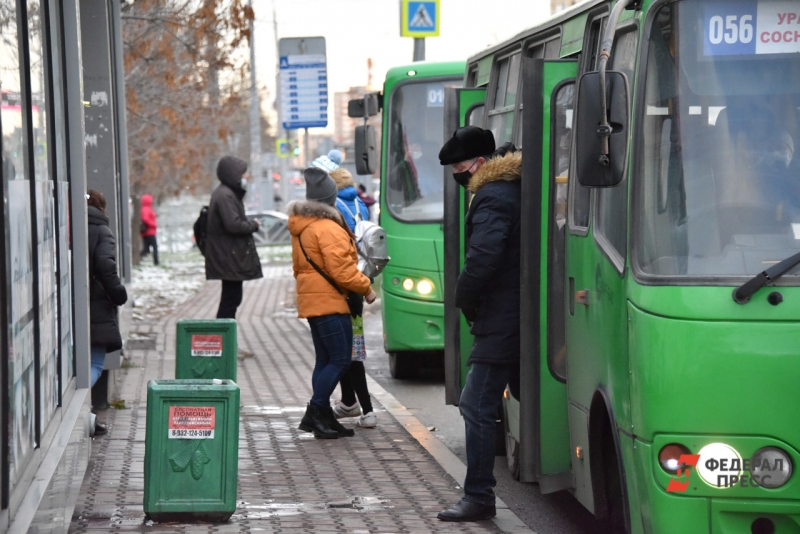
(314, 421)
(335, 425)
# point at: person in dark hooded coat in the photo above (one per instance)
(230, 253)
(488, 294)
(106, 291)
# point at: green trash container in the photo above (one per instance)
(206, 349)
(191, 450)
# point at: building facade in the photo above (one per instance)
(63, 131)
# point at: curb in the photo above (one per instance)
(506, 519)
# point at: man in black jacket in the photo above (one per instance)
(230, 249)
(488, 293)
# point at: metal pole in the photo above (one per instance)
(419, 49)
(283, 167)
(255, 119)
(307, 154)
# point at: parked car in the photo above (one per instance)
(274, 228)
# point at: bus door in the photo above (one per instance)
(544, 446)
(461, 108)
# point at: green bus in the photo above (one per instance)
(411, 208)
(659, 377)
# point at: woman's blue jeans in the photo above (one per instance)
(333, 344)
(98, 360)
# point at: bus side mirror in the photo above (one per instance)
(363, 107)
(366, 155)
(592, 168)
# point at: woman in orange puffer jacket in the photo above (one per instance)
(319, 234)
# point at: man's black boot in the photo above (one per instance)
(335, 425)
(314, 421)
(468, 511)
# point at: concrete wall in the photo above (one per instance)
(84, 148)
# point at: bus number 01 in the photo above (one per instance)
(729, 30)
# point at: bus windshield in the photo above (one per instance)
(719, 189)
(414, 178)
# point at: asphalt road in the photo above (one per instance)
(558, 513)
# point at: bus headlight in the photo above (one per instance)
(771, 466)
(424, 287)
(408, 284)
(669, 457)
(718, 460)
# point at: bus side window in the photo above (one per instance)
(552, 48)
(611, 210)
(501, 114)
(562, 106)
(475, 115)
(472, 77)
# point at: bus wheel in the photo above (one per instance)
(615, 521)
(401, 365)
(512, 447)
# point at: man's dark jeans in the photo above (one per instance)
(333, 344)
(480, 404)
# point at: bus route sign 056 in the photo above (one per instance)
(751, 27)
(303, 82)
(419, 18)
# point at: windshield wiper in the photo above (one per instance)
(742, 294)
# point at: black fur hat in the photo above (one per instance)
(468, 142)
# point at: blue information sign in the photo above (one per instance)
(304, 91)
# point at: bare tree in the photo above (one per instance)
(185, 69)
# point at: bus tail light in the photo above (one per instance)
(669, 457)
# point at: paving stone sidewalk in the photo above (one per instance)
(380, 481)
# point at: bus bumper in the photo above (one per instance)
(412, 325)
(663, 512)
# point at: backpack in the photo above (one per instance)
(371, 245)
(201, 230)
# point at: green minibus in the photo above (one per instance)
(411, 207)
(660, 318)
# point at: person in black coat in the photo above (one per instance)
(488, 294)
(230, 249)
(106, 291)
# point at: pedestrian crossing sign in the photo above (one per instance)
(419, 19)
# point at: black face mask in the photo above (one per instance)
(462, 178)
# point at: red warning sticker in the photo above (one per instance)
(192, 422)
(207, 345)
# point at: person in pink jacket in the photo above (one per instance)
(149, 228)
